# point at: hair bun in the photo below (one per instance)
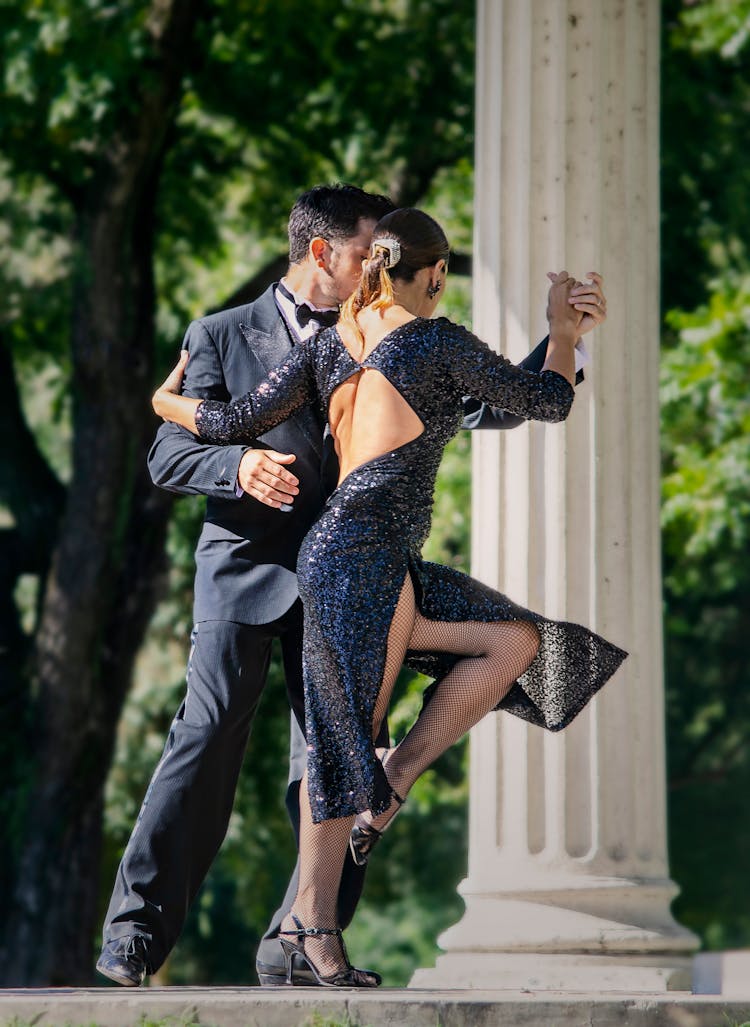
(391, 248)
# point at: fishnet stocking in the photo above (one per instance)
(322, 849)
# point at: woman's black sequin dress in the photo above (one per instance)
(354, 558)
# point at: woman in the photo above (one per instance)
(390, 381)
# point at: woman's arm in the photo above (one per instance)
(181, 463)
(546, 396)
(170, 405)
(286, 389)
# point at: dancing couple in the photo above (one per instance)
(390, 379)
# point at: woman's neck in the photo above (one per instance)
(413, 298)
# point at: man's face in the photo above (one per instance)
(346, 259)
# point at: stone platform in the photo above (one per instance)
(312, 1007)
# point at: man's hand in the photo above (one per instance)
(262, 476)
(588, 298)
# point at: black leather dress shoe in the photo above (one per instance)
(124, 960)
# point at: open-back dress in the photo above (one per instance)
(354, 559)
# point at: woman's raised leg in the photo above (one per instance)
(496, 654)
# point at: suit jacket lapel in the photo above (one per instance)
(270, 347)
(268, 337)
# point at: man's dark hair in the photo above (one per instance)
(332, 212)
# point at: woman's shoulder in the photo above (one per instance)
(441, 342)
(450, 329)
(451, 333)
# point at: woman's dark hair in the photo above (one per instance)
(421, 243)
(332, 212)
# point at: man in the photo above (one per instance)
(262, 498)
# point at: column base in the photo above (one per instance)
(509, 971)
(579, 933)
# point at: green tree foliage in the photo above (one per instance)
(706, 459)
(706, 536)
(705, 182)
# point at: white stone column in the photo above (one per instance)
(568, 885)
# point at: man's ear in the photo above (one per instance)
(320, 251)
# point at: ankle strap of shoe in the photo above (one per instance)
(310, 932)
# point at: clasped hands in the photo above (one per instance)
(581, 304)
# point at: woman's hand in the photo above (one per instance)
(171, 386)
(564, 319)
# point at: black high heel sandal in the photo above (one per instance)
(297, 960)
(364, 835)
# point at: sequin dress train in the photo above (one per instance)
(354, 559)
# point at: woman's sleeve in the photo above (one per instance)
(286, 389)
(481, 373)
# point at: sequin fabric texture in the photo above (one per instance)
(354, 559)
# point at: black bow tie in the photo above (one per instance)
(325, 318)
(305, 313)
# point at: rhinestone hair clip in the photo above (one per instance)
(393, 248)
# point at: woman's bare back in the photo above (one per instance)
(368, 416)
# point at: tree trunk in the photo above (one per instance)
(99, 595)
(105, 569)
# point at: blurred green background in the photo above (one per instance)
(149, 154)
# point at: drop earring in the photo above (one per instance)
(433, 290)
